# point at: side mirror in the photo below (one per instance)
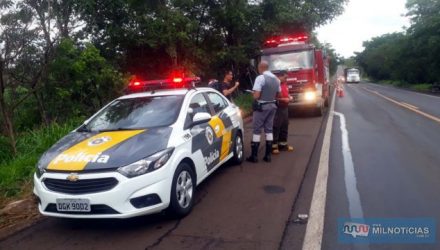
(201, 118)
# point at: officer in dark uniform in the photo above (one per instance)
(266, 91)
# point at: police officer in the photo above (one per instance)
(266, 91)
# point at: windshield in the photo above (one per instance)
(137, 113)
(290, 61)
(353, 72)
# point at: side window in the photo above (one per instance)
(198, 104)
(219, 103)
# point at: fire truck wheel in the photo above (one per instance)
(319, 111)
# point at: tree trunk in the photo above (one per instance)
(41, 109)
(8, 127)
(7, 120)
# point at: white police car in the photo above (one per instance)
(140, 154)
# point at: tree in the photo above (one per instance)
(16, 58)
(205, 36)
(409, 56)
(30, 31)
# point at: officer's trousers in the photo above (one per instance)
(281, 126)
(263, 120)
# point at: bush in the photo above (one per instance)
(423, 87)
(15, 171)
(244, 101)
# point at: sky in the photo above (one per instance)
(361, 21)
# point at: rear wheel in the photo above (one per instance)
(182, 191)
(238, 149)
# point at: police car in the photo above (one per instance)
(141, 154)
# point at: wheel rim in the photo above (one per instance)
(184, 189)
(239, 147)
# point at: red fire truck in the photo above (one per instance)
(307, 67)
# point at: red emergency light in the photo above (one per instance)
(292, 39)
(175, 81)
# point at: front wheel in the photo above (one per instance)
(182, 191)
(319, 111)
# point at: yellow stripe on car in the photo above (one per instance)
(226, 144)
(90, 150)
(220, 131)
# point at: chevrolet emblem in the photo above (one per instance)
(72, 177)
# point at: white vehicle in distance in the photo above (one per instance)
(352, 75)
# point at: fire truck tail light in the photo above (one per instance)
(136, 83)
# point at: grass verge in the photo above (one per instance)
(16, 171)
(420, 87)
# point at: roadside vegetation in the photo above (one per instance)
(244, 101)
(61, 61)
(420, 87)
(16, 171)
(407, 59)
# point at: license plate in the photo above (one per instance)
(73, 205)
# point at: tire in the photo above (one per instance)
(326, 102)
(327, 98)
(182, 195)
(238, 157)
(319, 111)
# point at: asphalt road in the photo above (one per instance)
(395, 152)
(238, 207)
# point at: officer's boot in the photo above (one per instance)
(254, 155)
(268, 155)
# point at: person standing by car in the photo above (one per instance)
(265, 93)
(225, 86)
(281, 121)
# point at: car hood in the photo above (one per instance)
(84, 151)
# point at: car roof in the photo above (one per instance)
(169, 92)
(172, 92)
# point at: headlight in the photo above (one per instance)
(310, 96)
(148, 164)
(40, 169)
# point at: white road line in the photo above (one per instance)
(354, 200)
(315, 225)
